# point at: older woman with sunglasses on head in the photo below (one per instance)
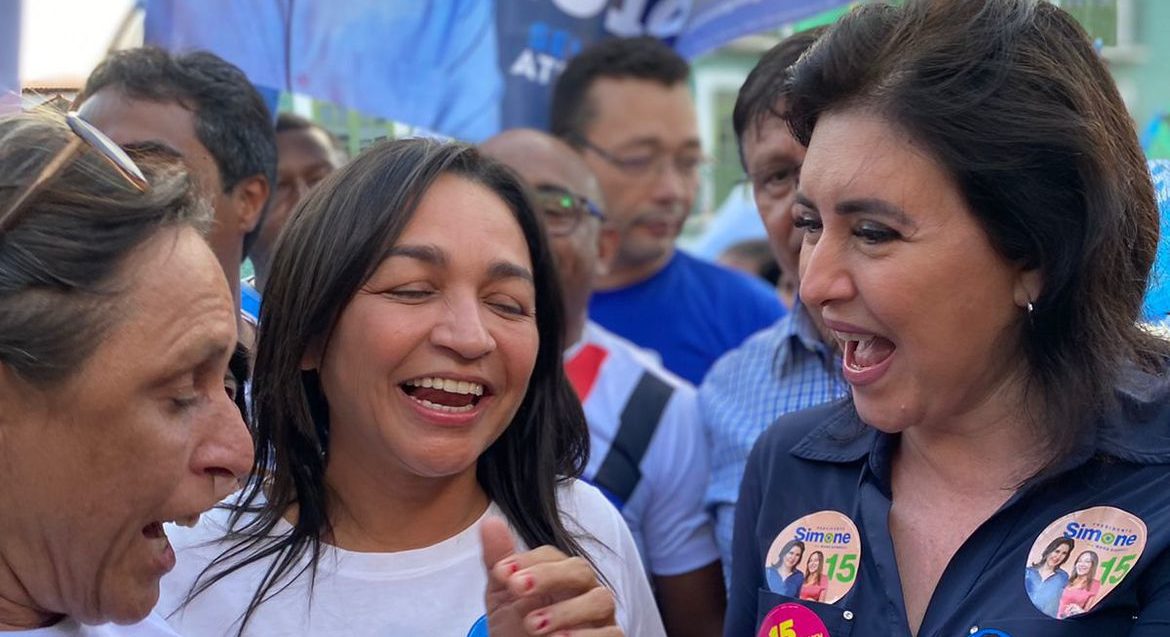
(116, 328)
(979, 228)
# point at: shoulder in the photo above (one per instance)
(754, 354)
(587, 511)
(718, 274)
(1138, 430)
(635, 358)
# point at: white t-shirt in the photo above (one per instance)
(152, 626)
(652, 415)
(438, 590)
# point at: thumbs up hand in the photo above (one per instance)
(542, 591)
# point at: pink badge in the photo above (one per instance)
(792, 620)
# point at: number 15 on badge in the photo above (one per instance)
(792, 620)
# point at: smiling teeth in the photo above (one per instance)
(445, 408)
(447, 385)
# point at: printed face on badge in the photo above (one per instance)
(815, 558)
(1080, 558)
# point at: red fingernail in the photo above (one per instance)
(512, 568)
(529, 583)
(543, 623)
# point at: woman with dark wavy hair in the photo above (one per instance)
(979, 228)
(409, 389)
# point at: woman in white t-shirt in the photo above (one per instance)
(116, 326)
(409, 399)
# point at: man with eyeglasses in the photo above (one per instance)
(647, 451)
(625, 105)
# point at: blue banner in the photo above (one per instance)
(9, 55)
(463, 68)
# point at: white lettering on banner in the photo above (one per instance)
(536, 67)
(666, 18)
(581, 8)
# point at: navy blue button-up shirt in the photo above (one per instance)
(826, 459)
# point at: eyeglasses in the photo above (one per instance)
(642, 164)
(563, 210)
(85, 134)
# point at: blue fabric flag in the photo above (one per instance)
(462, 68)
(9, 55)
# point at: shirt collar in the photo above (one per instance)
(841, 436)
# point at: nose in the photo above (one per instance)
(672, 184)
(824, 274)
(461, 328)
(225, 453)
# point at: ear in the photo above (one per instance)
(608, 240)
(249, 197)
(1029, 284)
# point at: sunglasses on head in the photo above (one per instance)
(84, 135)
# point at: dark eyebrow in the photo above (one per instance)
(432, 255)
(508, 270)
(427, 254)
(875, 207)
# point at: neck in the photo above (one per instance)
(625, 274)
(955, 456)
(18, 611)
(574, 328)
(373, 512)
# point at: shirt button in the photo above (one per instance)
(848, 615)
(974, 629)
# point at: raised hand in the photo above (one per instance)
(542, 591)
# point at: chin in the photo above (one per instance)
(445, 467)
(882, 415)
(130, 608)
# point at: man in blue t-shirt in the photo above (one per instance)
(625, 105)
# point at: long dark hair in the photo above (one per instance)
(335, 240)
(784, 551)
(1011, 99)
(1052, 547)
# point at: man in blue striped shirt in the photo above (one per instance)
(788, 366)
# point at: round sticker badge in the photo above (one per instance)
(792, 620)
(815, 558)
(1081, 558)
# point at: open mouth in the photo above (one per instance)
(863, 352)
(156, 537)
(445, 394)
(154, 530)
